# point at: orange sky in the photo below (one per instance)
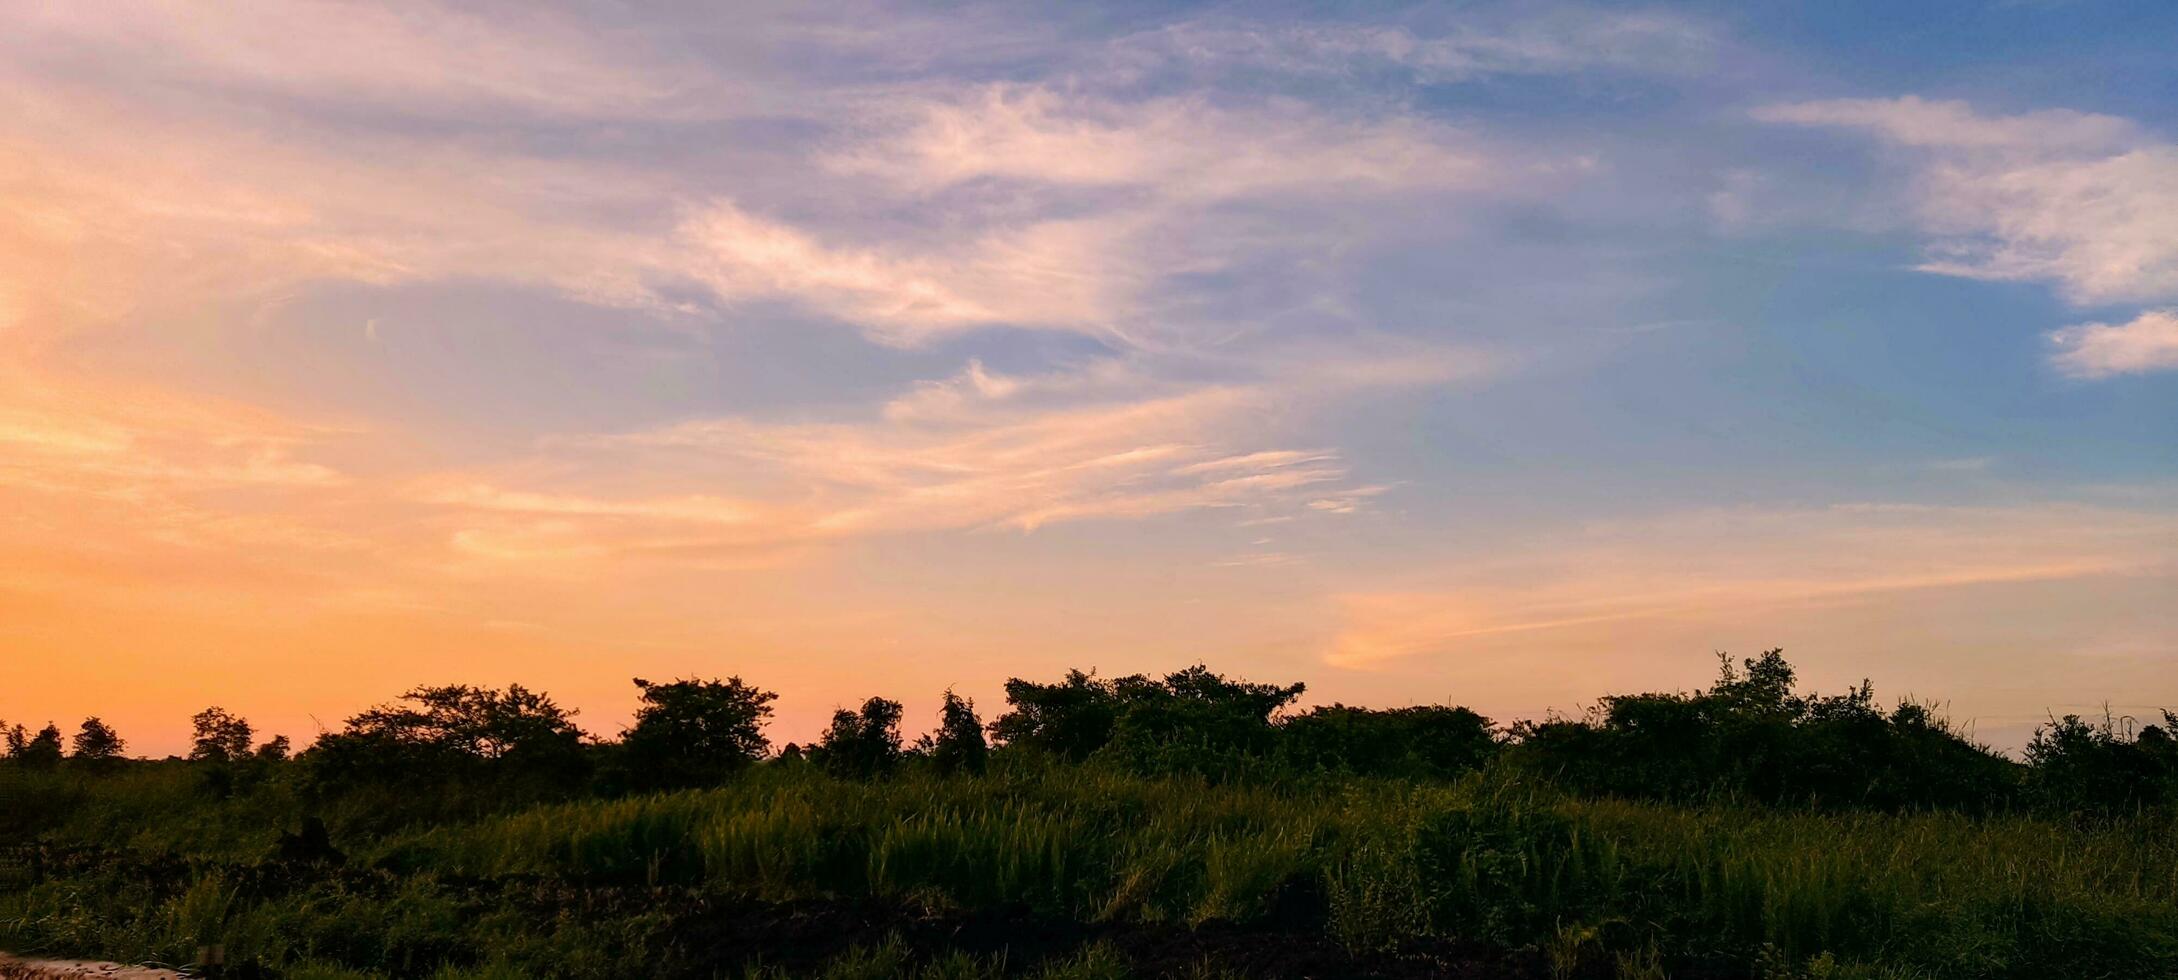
(343, 350)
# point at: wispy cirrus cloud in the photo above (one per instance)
(227, 213)
(1711, 567)
(1186, 149)
(1563, 40)
(2087, 202)
(1060, 274)
(1073, 211)
(979, 451)
(75, 437)
(421, 58)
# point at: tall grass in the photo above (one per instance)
(1485, 860)
(1622, 887)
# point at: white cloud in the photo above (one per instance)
(1002, 466)
(1561, 42)
(1185, 150)
(2100, 350)
(978, 451)
(1065, 274)
(2085, 201)
(1062, 210)
(303, 142)
(423, 57)
(1954, 125)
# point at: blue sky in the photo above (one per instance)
(1502, 353)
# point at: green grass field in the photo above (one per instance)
(1078, 871)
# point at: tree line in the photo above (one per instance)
(1750, 736)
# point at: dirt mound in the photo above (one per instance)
(12, 968)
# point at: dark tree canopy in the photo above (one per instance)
(1197, 721)
(692, 732)
(957, 746)
(1427, 741)
(219, 736)
(275, 749)
(2077, 765)
(441, 731)
(1193, 719)
(476, 721)
(39, 751)
(97, 742)
(1750, 736)
(1069, 719)
(862, 744)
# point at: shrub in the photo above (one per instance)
(1750, 736)
(2101, 768)
(1424, 742)
(39, 751)
(957, 746)
(1070, 719)
(694, 733)
(1193, 720)
(219, 736)
(96, 742)
(512, 745)
(862, 744)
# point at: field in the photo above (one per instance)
(1042, 869)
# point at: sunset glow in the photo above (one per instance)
(1503, 355)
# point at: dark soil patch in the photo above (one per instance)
(690, 932)
(801, 936)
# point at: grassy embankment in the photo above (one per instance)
(1075, 871)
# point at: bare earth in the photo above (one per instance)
(12, 968)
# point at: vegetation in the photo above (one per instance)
(1186, 825)
(695, 733)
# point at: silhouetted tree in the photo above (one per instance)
(1750, 736)
(1070, 719)
(862, 744)
(1760, 686)
(39, 751)
(275, 749)
(957, 746)
(692, 732)
(96, 742)
(455, 731)
(219, 736)
(1194, 719)
(2102, 768)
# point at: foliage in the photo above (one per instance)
(517, 742)
(1069, 720)
(219, 736)
(1750, 737)
(1493, 861)
(35, 751)
(276, 749)
(1193, 720)
(957, 746)
(862, 744)
(2102, 768)
(1421, 742)
(696, 733)
(1745, 830)
(97, 742)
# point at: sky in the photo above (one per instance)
(1505, 355)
